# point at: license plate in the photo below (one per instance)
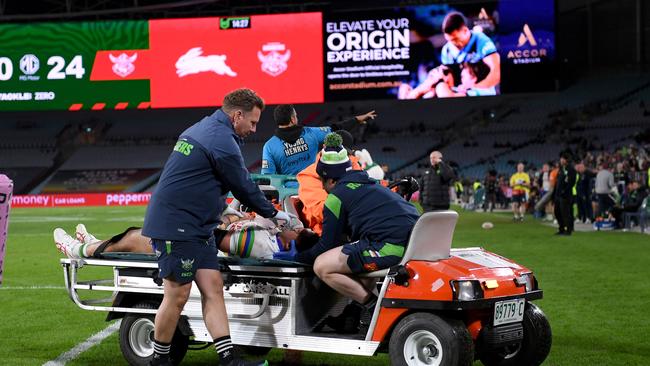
(509, 311)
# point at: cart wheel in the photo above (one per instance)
(426, 339)
(532, 351)
(136, 338)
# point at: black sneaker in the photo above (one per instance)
(240, 362)
(160, 361)
(348, 321)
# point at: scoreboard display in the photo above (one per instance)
(392, 53)
(160, 63)
(49, 65)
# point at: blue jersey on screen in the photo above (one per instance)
(478, 47)
(282, 157)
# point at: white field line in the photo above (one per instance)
(75, 351)
(22, 288)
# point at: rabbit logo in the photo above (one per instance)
(274, 62)
(193, 62)
(123, 64)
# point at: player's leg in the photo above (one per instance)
(522, 207)
(175, 296)
(130, 240)
(210, 284)
(178, 264)
(333, 269)
(515, 206)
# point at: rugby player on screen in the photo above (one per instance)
(471, 65)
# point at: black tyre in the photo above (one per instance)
(534, 348)
(136, 338)
(426, 339)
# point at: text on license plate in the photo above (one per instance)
(509, 311)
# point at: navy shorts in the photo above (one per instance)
(519, 198)
(365, 256)
(179, 260)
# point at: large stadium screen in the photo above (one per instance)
(440, 50)
(160, 63)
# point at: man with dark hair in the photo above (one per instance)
(378, 223)
(584, 187)
(294, 146)
(205, 164)
(467, 46)
(434, 184)
(563, 194)
(491, 188)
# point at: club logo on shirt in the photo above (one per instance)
(183, 147)
(297, 147)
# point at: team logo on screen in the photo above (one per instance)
(193, 62)
(274, 61)
(29, 65)
(123, 64)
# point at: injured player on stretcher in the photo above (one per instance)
(240, 234)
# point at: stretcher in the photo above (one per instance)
(439, 306)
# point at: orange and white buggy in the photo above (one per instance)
(439, 306)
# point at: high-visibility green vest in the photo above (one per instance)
(477, 185)
(575, 185)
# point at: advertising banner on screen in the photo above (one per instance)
(81, 199)
(434, 51)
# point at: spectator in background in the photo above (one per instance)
(520, 183)
(621, 178)
(604, 187)
(434, 184)
(544, 184)
(294, 146)
(630, 202)
(563, 194)
(583, 193)
(491, 188)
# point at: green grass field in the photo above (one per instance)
(596, 291)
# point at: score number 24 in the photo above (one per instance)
(59, 70)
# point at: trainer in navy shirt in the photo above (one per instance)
(204, 166)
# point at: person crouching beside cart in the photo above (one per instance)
(378, 223)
